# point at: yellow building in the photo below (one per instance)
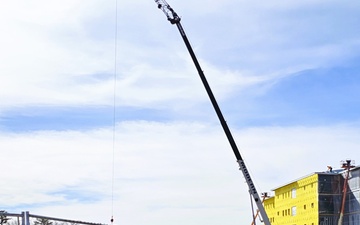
(312, 200)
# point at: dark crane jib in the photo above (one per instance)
(173, 17)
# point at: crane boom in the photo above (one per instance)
(173, 17)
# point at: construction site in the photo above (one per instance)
(321, 198)
(330, 197)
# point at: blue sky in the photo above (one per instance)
(310, 97)
(285, 74)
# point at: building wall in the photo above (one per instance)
(330, 189)
(269, 205)
(295, 203)
(352, 204)
(316, 200)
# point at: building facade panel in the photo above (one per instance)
(316, 200)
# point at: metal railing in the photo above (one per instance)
(24, 218)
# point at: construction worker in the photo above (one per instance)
(329, 169)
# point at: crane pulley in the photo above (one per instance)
(173, 17)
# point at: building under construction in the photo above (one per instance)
(321, 198)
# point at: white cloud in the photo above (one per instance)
(50, 51)
(62, 54)
(164, 172)
(44, 47)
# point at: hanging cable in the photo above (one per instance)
(114, 114)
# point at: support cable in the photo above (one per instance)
(114, 114)
(252, 210)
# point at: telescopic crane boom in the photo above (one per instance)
(173, 17)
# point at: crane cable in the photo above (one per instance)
(114, 114)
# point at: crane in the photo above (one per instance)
(174, 18)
